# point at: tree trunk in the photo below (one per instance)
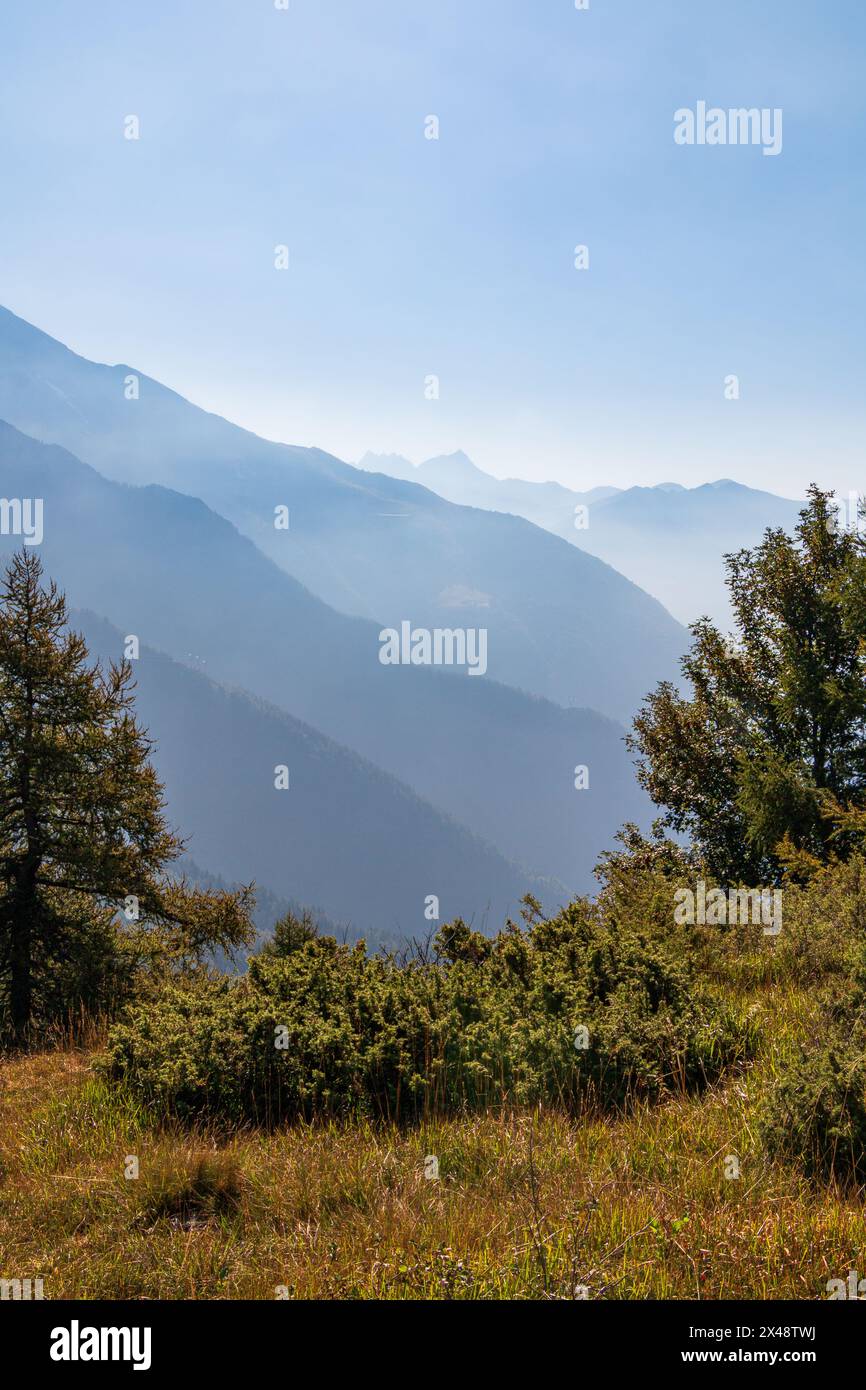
(23, 909)
(21, 983)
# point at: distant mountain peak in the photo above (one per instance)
(457, 456)
(453, 466)
(372, 457)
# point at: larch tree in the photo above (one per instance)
(84, 843)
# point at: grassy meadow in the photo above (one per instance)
(530, 1202)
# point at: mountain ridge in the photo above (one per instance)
(563, 624)
(184, 580)
(629, 528)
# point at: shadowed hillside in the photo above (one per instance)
(655, 535)
(183, 580)
(344, 836)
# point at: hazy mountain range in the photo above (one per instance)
(345, 836)
(561, 624)
(668, 539)
(163, 567)
(260, 645)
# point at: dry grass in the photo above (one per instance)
(527, 1205)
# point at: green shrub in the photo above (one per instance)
(814, 1112)
(814, 1107)
(824, 925)
(480, 1022)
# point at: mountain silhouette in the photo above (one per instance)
(561, 623)
(164, 567)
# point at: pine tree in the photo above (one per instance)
(83, 837)
(291, 933)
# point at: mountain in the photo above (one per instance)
(668, 539)
(164, 567)
(269, 906)
(392, 465)
(344, 835)
(672, 539)
(456, 478)
(560, 623)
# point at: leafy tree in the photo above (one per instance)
(764, 765)
(83, 840)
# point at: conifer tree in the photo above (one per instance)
(83, 839)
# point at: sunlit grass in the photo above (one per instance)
(528, 1204)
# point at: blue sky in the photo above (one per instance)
(411, 257)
